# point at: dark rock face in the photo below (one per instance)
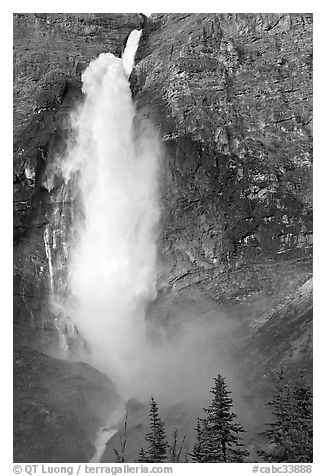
(58, 407)
(50, 53)
(232, 97)
(283, 338)
(51, 48)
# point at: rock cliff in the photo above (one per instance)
(58, 405)
(231, 95)
(50, 52)
(58, 408)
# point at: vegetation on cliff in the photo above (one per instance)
(289, 436)
(218, 435)
(231, 95)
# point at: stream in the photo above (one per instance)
(104, 434)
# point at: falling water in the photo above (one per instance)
(105, 433)
(112, 166)
(129, 53)
(56, 237)
(101, 247)
(48, 253)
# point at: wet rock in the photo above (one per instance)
(58, 407)
(282, 338)
(50, 53)
(231, 95)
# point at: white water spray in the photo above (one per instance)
(48, 253)
(108, 213)
(112, 265)
(129, 53)
(104, 434)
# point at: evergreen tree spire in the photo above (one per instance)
(196, 454)
(290, 434)
(157, 445)
(142, 457)
(218, 435)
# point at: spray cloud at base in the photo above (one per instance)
(112, 262)
(111, 168)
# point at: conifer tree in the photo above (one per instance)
(290, 434)
(142, 457)
(198, 454)
(218, 435)
(303, 402)
(157, 445)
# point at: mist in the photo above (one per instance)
(112, 262)
(112, 173)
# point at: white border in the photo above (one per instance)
(6, 188)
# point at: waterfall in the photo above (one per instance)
(56, 237)
(48, 253)
(102, 252)
(105, 433)
(129, 53)
(111, 168)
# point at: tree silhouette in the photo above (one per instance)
(289, 436)
(218, 435)
(157, 445)
(142, 457)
